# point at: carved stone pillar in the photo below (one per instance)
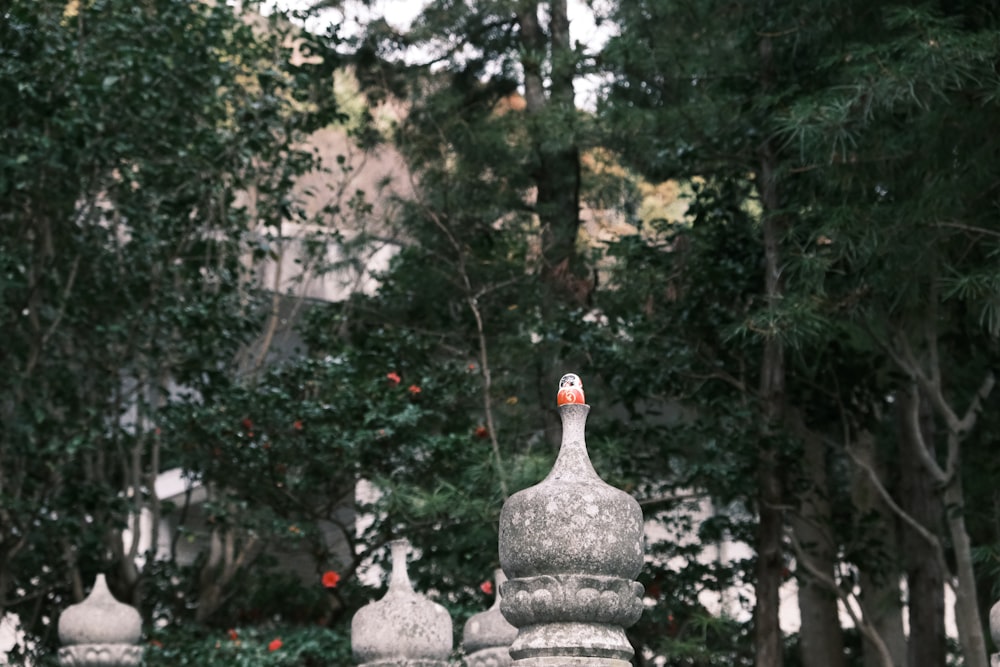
(995, 633)
(571, 546)
(487, 636)
(100, 631)
(404, 628)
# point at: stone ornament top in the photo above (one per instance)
(100, 631)
(100, 619)
(487, 636)
(571, 546)
(404, 627)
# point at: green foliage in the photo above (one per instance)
(128, 253)
(862, 127)
(131, 134)
(276, 646)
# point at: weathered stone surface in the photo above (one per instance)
(487, 636)
(100, 655)
(571, 522)
(995, 632)
(100, 619)
(498, 656)
(572, 662)
(100, 631)
(600, 641)
(404, 662)
(995, 623)
(572, 546)
(404, 628)
(574, 597)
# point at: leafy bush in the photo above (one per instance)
(260, 646)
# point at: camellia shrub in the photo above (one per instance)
(258, 646)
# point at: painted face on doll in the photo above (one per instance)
(570, 390)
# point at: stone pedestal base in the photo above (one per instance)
(498, 656)
(567, 661)
(598, 641)
(100, 655)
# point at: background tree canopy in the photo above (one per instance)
(770, 250)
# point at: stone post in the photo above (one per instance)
(487, 636)
(995, 633)
(571, 547)
(100, 631)
(404, 628)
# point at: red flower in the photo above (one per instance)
(482, 432)
(156, 642)
(248, 423)
(393, 377)
(486, 587)
(274, 645)
(233, 635)
(413, 389)
(297, 424)
(330, 579)
(472, 367)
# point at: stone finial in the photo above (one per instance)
(100, 631)
(572, 546)
(404, 628)
(995, 633)
(487, 636)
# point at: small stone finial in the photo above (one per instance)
(572, 546)
(487, 636)
(100, 631)
(995, 633)
(404, 628)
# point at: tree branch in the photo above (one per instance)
(866, 628)
(931, 539)
(968, 420)
(472, 300)
(968, 228)
(923, 452)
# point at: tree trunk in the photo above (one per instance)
(879, 577)
(768, 644)
(228, 556)
(533, 54)
(559, 172)
(970, 625)
(821, 640)
(552, 123)
(927, 386)
(924, 576)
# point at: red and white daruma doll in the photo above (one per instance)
(570, 390)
